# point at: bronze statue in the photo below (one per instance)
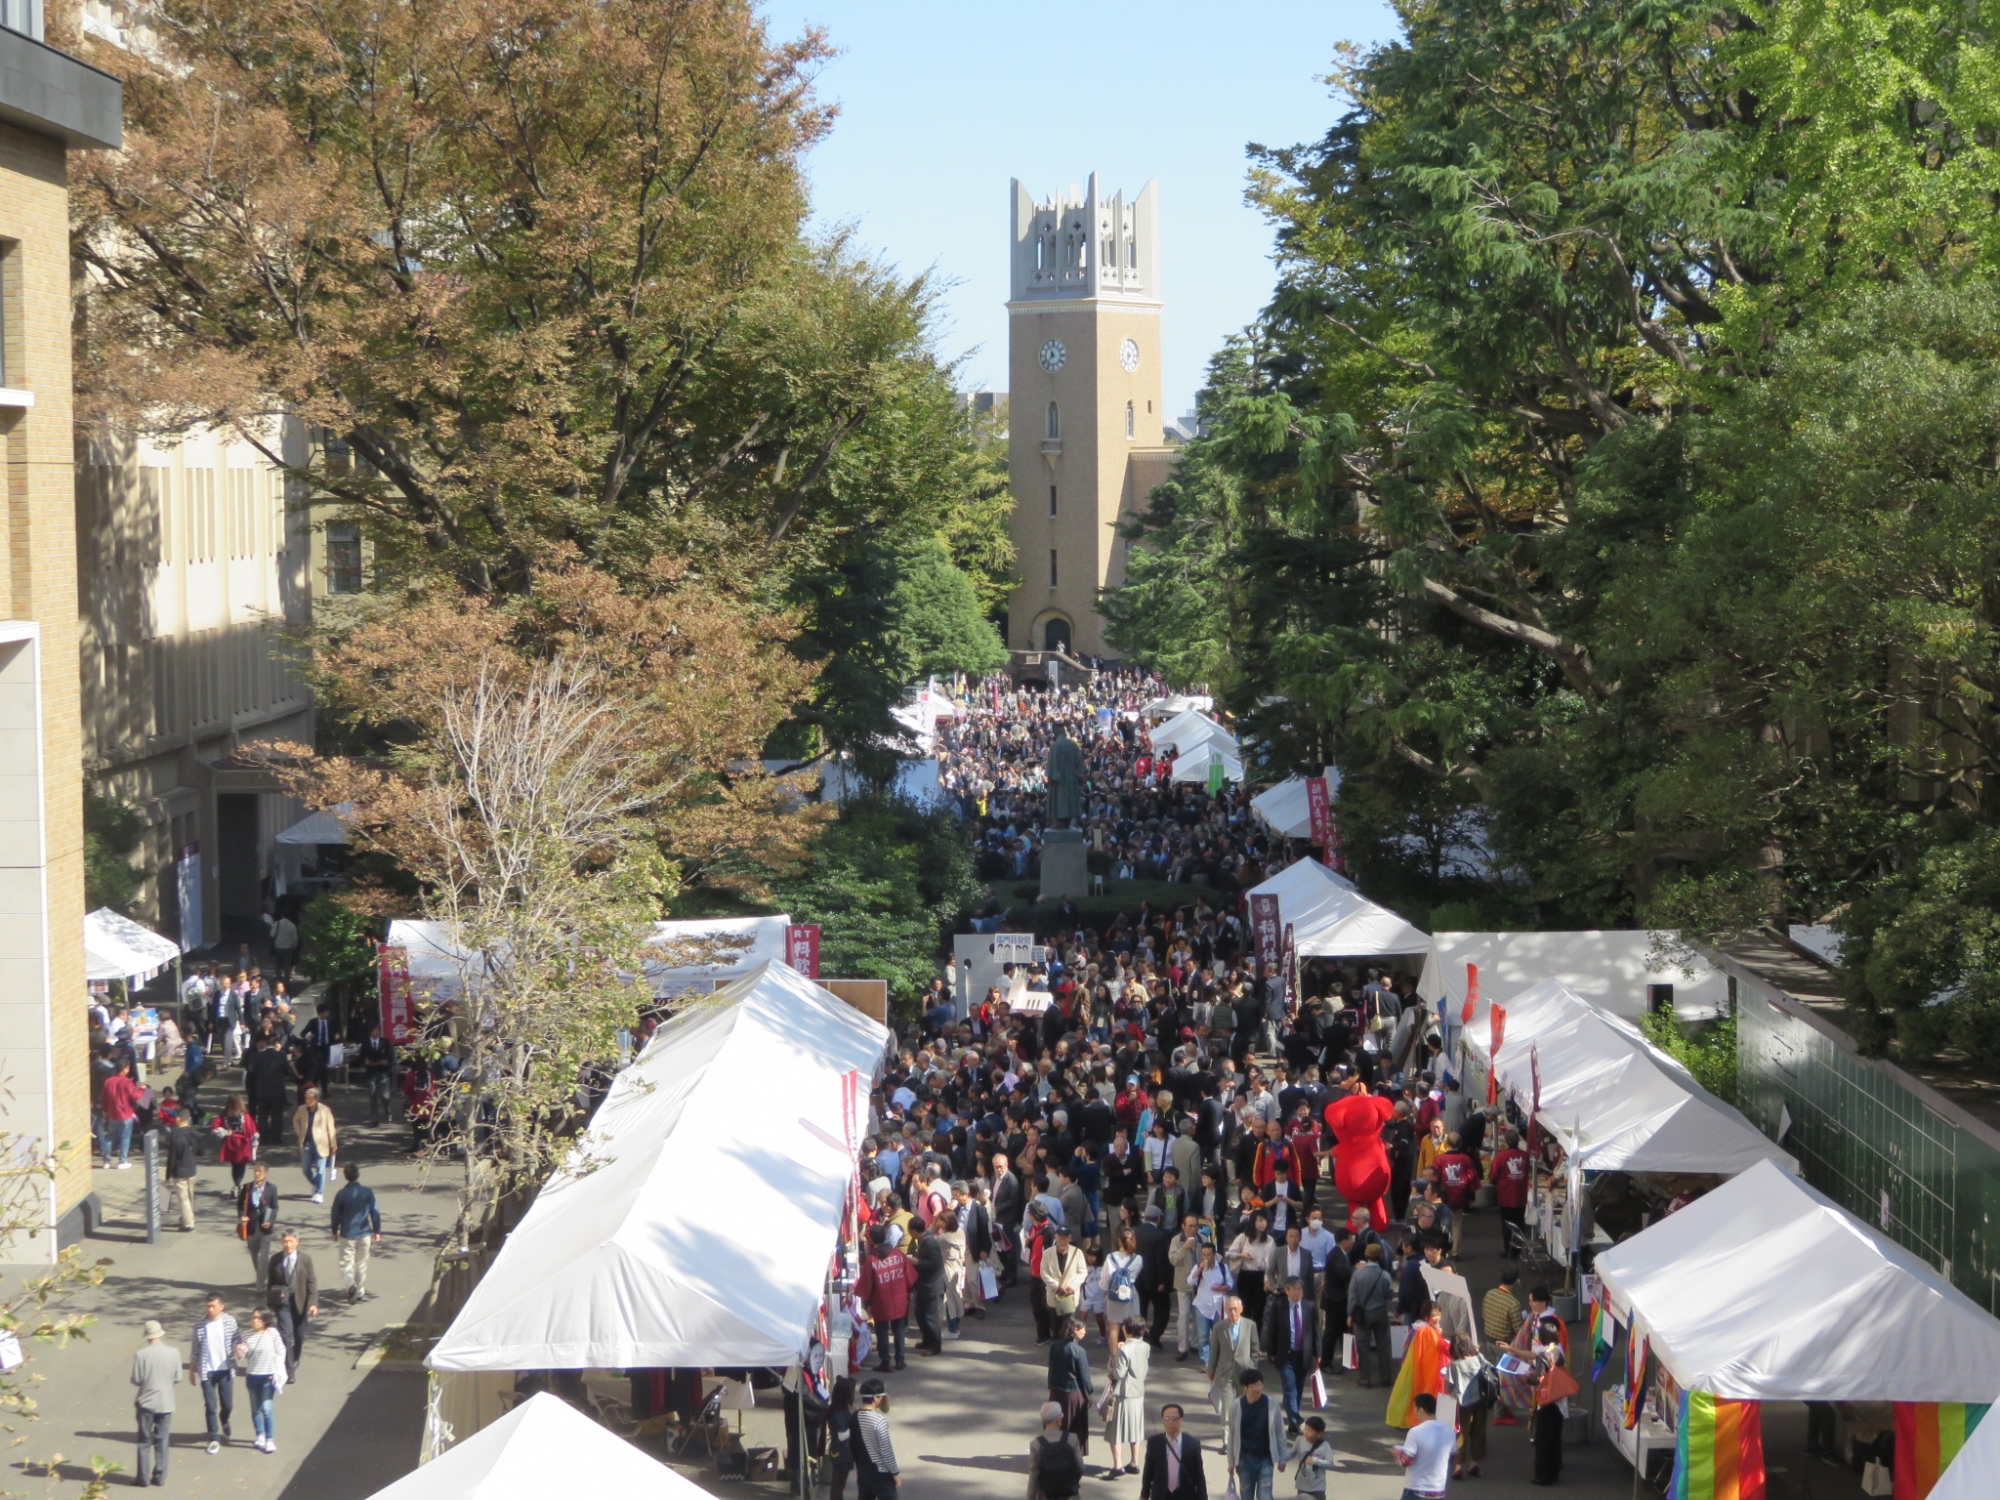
(1065, 773)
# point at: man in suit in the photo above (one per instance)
(1008, 1205)
(1155, 1283)
(293, 1293)
(1172, 1470)
(1233, 1352)
(1291, 1339)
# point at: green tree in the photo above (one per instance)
(111, 833)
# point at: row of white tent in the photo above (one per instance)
(1196, 741)
(711, 950)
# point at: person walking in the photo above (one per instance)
(1172, 1469)
(1316, 1456)
(156, 1372)
(118, 1099)
(235, 1131)
(1125, 1379)
(183, 1166)
(1368, 1296)
(1233, 1354)
(264, 1074)
(1291, 1341)
(293, 1293)
(377, 1056)
(257, 1219)
(1425, 1453)
(211, 1365)
(884, 1289)
(1055, 1469)
(876, 1473)
(262, 1356)
(357, 1224)
(1256, 1443)
(927, 1295)
(319, 1141)
(1063, 1271)
(840, 1437)
(1551, 1407)
(947, 1231)
(1069, 1380)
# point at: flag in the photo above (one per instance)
(1638, 1370)
(1215, 775)
(1471, 995)
(1928, 1437)
(1603, 1334)
(1719, 1449)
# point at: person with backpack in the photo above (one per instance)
(1055, 1468)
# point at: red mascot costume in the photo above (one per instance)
(1360, 1160)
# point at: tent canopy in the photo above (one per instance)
(540, 1448)
(1192, 765)
(1284, 807)
(1765, 1290)
(1177, 703)
(1609, 969)
(116, 947)
(1970, 1476)
(695, 1223)
(436, 964)
(1614, 1100)
(1183, 732)
(1331, 919)
(327, 826)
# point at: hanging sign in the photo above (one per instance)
(802, 948)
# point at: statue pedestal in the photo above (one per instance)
(1065, 863)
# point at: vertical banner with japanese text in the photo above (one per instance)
(1265, 937)
(1319, 809)
(399, 1011)
(1290, 959)
(802, 948)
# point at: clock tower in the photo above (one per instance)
(1085, 420)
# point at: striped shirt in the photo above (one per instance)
(1500, 1315)
(264, 1353)
(873, 1428)
(213, 1345)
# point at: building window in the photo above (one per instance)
(1055, 424)
(343, 557)
(1052, 567)
(1131, 422)
(1052, 501)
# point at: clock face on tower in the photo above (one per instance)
(1128, 355)
(1051, 356)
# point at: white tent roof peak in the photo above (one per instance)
(116, 947)
(1610, 969)
(542, 1447)
(688, 1229)
(328, 825)
(1767, 1290)
(1192, 765)
(1184, 731)
(1284, 807)
(1331, 919)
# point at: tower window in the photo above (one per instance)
(1055, 424)
(1052, 500)
(1130, 422)
(343, 557)
(1052, 567)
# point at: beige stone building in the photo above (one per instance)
(1086, 438)
(196, 575)
(50, 104)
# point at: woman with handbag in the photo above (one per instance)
(1552, 1395)
(1466, 1381)
(235, 1131)
(1125, 1394)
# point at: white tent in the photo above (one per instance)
(1971, 1474)
(327, 826)
(920, 782)
(1614, 1100)
(1331, 919)
(116, 947)
(740, 944)
(1765, 1290)
(696, 1222)
(1183, 732)
(1177, 703)
(1609, 969)
(1284, 807)
(1192, 765)
(539, 1449)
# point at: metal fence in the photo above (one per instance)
(1884, 1145)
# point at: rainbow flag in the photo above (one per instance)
(1638, 1368)
(1928, 1437)
(1603, 1335)
(1719, 1450)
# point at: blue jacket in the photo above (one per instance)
(354, 1212)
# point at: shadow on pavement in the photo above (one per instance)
(371, 1443)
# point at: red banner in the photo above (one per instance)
(399, 1009)
(1265, 939)
(1320, 810)
(1497, 1016)
(1471, 994)
(802, 949)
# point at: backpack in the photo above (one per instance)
(1121, 1284)
(1058, 1470)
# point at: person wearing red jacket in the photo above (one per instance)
(1510, 1190)
(118, 1101)
(1276, 1144)
(1457, 1175)
(884, 1287)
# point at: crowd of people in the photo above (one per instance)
(1147, 1158)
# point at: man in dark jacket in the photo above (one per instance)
(1154, 1284)
(927, 1296)
(1368, 1297)
(293, 1293)
(1291, 1342)
(1172, 1470)
(1333, 1284)
(1008, 1205)
(264, 1076)
(183, 1165)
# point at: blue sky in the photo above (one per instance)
(942, 104)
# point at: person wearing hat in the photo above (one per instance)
(1063, 1273)
(156, 1373)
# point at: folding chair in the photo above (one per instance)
(704, 1424)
